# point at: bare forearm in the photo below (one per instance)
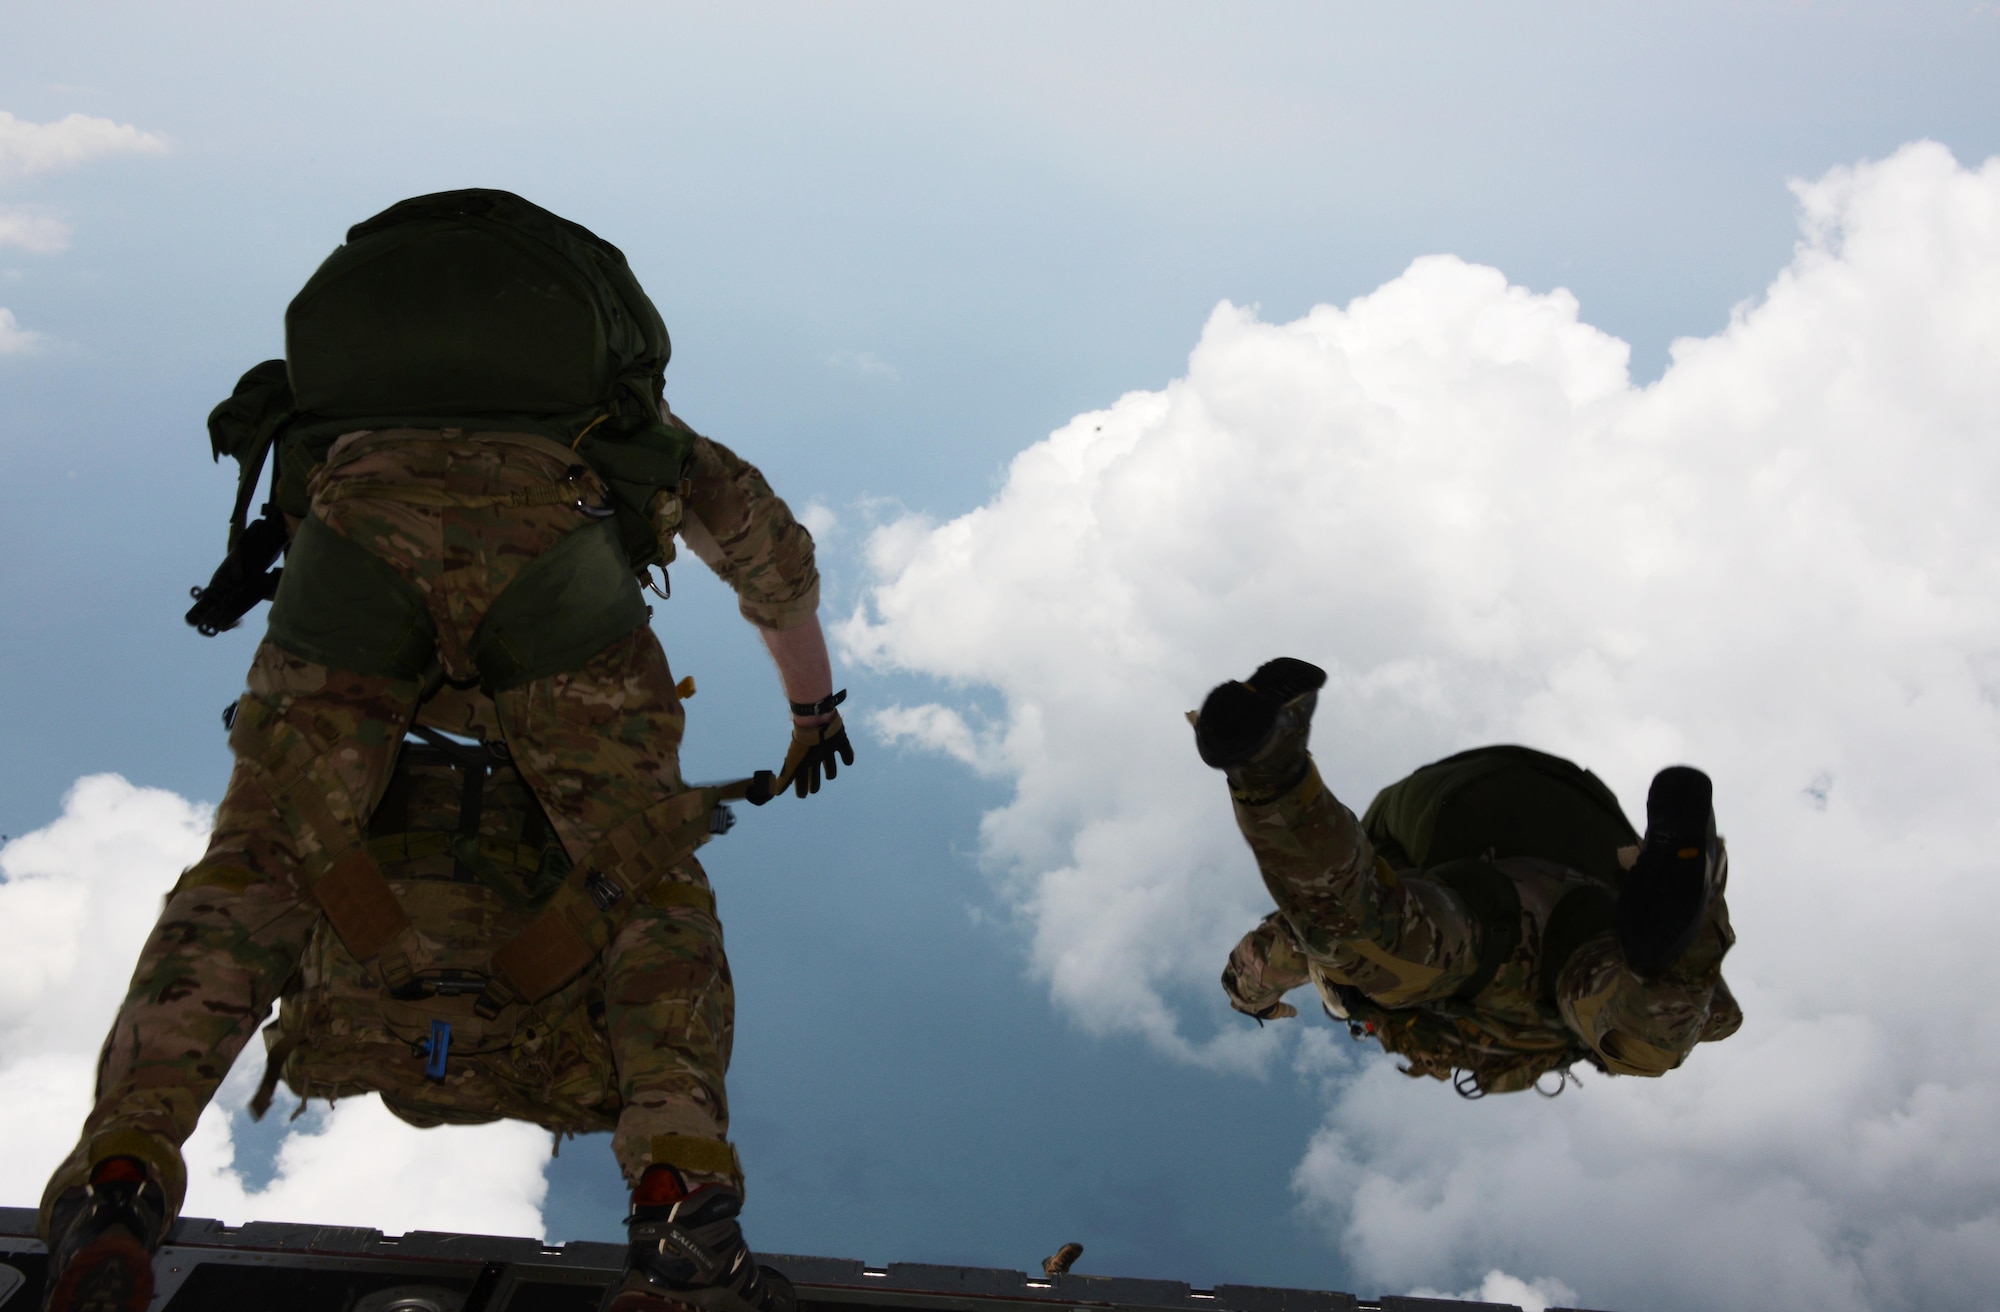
(803, 664)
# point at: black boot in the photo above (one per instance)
(1678, 875)
(690, 1252)
(1255, 731)
(102, 1237)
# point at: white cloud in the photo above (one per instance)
(820, 520)
(356, 1164)
(1499, 1287)
(33, 230)
(14, 339)
(934, 728)
(865, 363)
(29, 148)
(77, 900)
(1779, 562)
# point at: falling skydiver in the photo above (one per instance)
(1492, 920)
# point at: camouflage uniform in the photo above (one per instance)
(1395, 952)
(458, 515)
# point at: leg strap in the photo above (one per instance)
(342, 875)
(622, 870)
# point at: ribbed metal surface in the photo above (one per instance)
(206, 1267)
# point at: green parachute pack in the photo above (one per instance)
(469, 309)
(1451, 821)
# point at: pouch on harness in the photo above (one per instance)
(470, 855)
(470, 309)
(1450, 821)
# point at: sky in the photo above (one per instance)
(1616, 379)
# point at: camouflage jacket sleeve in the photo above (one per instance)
(746, 534)
(1399, 936)
(1264, 967)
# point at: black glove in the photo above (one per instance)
(814, 747)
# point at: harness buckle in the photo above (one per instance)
(604, 890)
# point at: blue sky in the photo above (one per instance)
(898, 246)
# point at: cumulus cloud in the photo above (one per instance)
(33, 230)
(14, 339)
(820, 520)
(28, 148)
(1499, 1287)
(1778, 562)
(938, 729)
(356, 1164)
(76, 901)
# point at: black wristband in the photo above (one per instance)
(824, 706)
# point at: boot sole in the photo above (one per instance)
(1668, 893)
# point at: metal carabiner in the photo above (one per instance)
(575, 475)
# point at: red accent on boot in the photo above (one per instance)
(119, 1170)
(660, 1186)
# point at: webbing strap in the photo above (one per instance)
(578, 922)
(360, 903)
(422, 844)
(570, 491)
(342, 876)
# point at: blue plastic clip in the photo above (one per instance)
(438, 1049)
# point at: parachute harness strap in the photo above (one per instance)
(563, 493)
(476, 761)
(342, 875)
(622, 870)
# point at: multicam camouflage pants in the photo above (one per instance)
(1408, 942)
(598, 745)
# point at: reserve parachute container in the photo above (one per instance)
(473, 860)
